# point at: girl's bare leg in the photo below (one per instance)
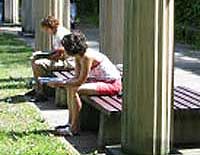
(76, 104)
(69, 98)
(37, 72)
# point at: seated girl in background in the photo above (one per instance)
(95, 74)
(43, 66)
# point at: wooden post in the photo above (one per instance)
(148, 63)
(11, 11)
(28, 21)
(111, 29)
(43, 9)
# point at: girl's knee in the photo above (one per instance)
(71, 91)
(82, 92)
(36, 65)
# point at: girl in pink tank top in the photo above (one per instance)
(95, 74)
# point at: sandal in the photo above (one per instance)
(64, 132)
(62, 126)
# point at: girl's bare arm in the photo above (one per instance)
(82, 72)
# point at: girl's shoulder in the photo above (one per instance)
(62, 31)
(94, 54)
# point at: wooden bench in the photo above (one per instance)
(186, 116)
(103, 113)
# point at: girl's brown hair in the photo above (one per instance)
(75, 43)
(50, 22)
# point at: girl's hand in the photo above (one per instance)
(57, 55)
(56, 84)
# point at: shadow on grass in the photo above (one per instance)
(14, 99)
(20, 79)
(16, 83)
(10, 39)
(36, 132)
(15, 135)
(11, 63)
(14, 49)
(14, 86)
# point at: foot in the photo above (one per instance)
(41, 97)
(62, 126)
(66, 131)
(31, 93)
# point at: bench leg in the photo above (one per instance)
(48, 90)
(186, 128)
(109, 130)
(61, 97)
(89, 118)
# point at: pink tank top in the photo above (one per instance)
(105, 70)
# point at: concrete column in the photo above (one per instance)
(44, 8)
(111, 29)
(11, 11)
(42, 40)
(66, 13)
(28, 21)
(148, 62)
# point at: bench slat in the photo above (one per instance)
(118, 99)
(67, 74)
(175, 107)
(112, 102)
(187, 100)
(190, 94)
(186, 104)
(98, 101)
(179, 106)
(59, 75)
(191, 91)
(72, 72)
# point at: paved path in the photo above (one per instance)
(187, 67)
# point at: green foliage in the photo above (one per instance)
(187, 22)
(88, 11)
(187, 12)
(88, 6)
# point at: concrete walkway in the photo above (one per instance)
(186, 73)
(187, 67)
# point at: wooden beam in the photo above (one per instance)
(148, 63)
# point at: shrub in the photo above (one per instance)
(187, 22)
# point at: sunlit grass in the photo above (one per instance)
(24, 132)
(22, 129)
(15, 67)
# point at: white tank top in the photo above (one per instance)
(58, 36)
(105, 70)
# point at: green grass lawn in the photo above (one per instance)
(15, 68)
(22, 129)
